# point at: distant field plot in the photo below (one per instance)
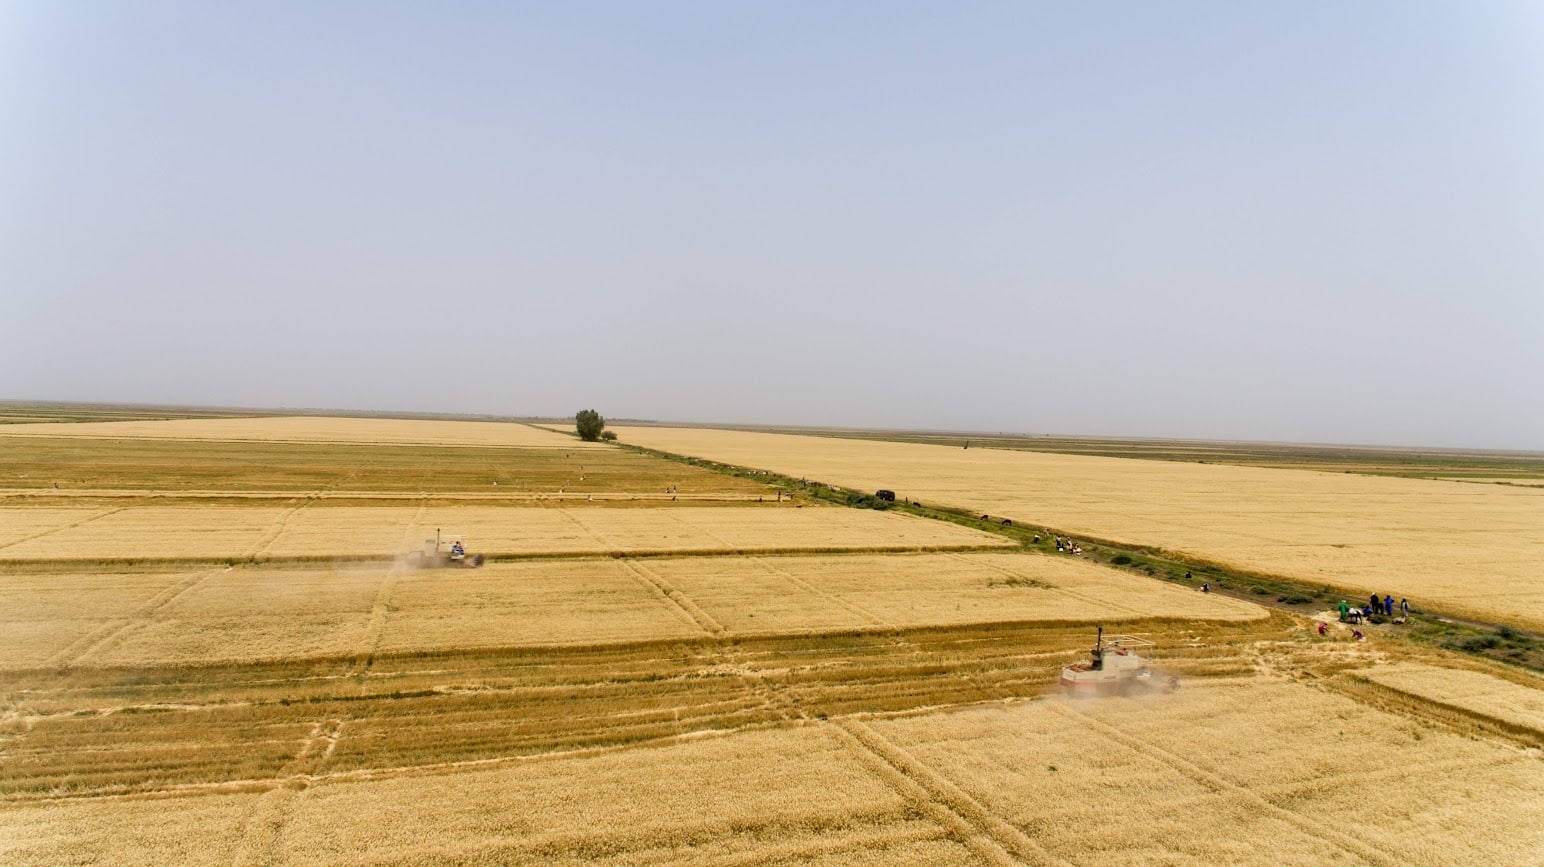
(316, 429)
(305, 529)
(35, 464)
(1470, 549)
(1471, 691)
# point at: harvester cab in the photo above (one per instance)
(1115, 667)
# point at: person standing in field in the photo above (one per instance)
(1344, 610)
(1404, 608)
(1388, 605)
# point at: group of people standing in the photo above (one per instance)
(1374, 607)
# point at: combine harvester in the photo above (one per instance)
(1115, 670)
(443, 552)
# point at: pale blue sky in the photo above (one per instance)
(1296, 221)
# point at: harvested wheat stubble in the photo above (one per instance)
(1471, 549)
(307, 529)
(1472, 691)
(315, 429)
(1206, 774)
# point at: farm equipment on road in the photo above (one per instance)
(443, 552)
(1115, 669)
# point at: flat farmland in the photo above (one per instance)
(214, 653)
(309, 528)
(1465, 548)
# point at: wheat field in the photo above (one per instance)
(1477, 692)
(225, 614)
(1469, 549)
(212, 655)
(1229, 772)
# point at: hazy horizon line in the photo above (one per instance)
(772, 427)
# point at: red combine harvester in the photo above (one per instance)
(1115, 669)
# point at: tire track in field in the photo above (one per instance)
(966, 819)
(674, 598)
(272, 535)
(380, 609)
(264, 823)
(986, 833)
(1218, 783)
(671, 513)
(871, 617)
(86, 520)
(603, 546)
(114, 631)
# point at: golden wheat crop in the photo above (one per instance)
(562, 602)
(41, 615)
(1473, 691)
(246, 614)
(201, 830)
(150, 532)
(1209, 773)
(1244, 771)
(698, 801)
(17, 525)
(314, 429)
(762, 594)
(1466, 548)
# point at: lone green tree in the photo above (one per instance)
(590, 424)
